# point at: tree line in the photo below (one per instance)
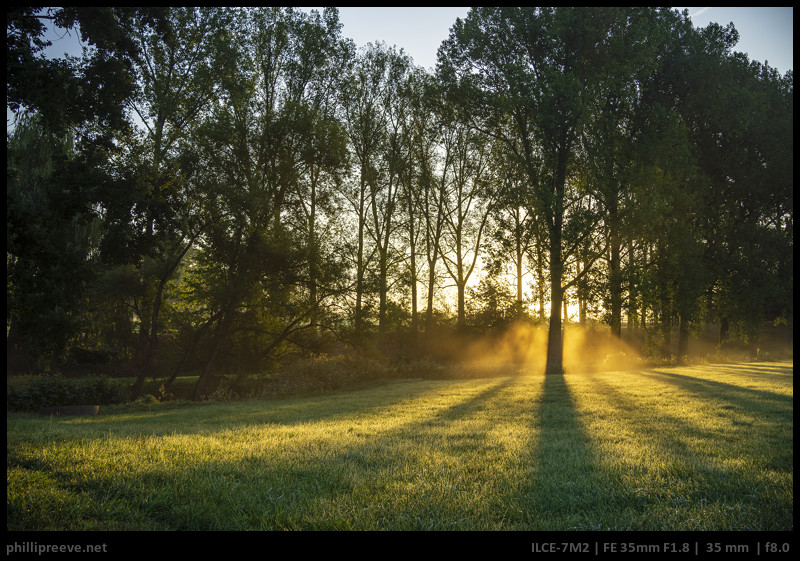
(215, 189)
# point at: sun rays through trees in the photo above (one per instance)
(221, 191)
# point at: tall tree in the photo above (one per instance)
(534, 70)
(69, 111)
(636, 43)
(176, 79)
(415, 176)
(435, 153)
(52, 239)
(78, 90)
(255, 146)
(466, 211)
(513, 231)
(370, 98)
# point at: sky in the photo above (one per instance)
(764, 33)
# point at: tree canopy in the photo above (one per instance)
(217, 190)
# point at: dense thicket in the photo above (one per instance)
(215, 190)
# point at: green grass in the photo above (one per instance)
(694, 448)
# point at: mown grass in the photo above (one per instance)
(691, 448)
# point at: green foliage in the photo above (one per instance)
(53, 390)
(51, 233)
(69, 92)
(216, 190)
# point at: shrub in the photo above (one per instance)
(318, 374)
(52, 390)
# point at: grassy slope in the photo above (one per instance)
(693, 448)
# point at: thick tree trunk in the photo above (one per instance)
(555, 343)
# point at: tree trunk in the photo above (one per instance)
(313, 256)
(724, 328)
(666, 328)
(581, 294)
(555, 341)
(219, 337)
(412, 247)
(614, 272)
(555, 348)
(383, 289)
(462, 316)
(519, 255)
(429, 308)
(632, 309)
(146, 366)
(683, 338)
(360, 258)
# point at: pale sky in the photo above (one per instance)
(764, 33)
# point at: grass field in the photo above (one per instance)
(706, 447)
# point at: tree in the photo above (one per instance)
(176, 73)
(323, 165)
(68, 112)
(434, 154)
(513, 230)
(466, 210)
(736, 113)
(73, 91)
(52, 238)
(533, 70)
(259, 140)
(637, 40)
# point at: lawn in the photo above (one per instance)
(706, 447)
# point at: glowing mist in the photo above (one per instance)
(588, 348)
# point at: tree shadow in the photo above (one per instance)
(163, 419)
(702, 470)
(567, 487)
(751, 399)
(428, 456)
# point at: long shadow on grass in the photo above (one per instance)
(753, 400)
(325, 482)
(700, 470)
(416, 475)
(779, 368)
(425, 470)
(775, 371)
(171, 420)
(566, 489)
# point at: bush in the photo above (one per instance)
(317, 374)
(53, 390)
